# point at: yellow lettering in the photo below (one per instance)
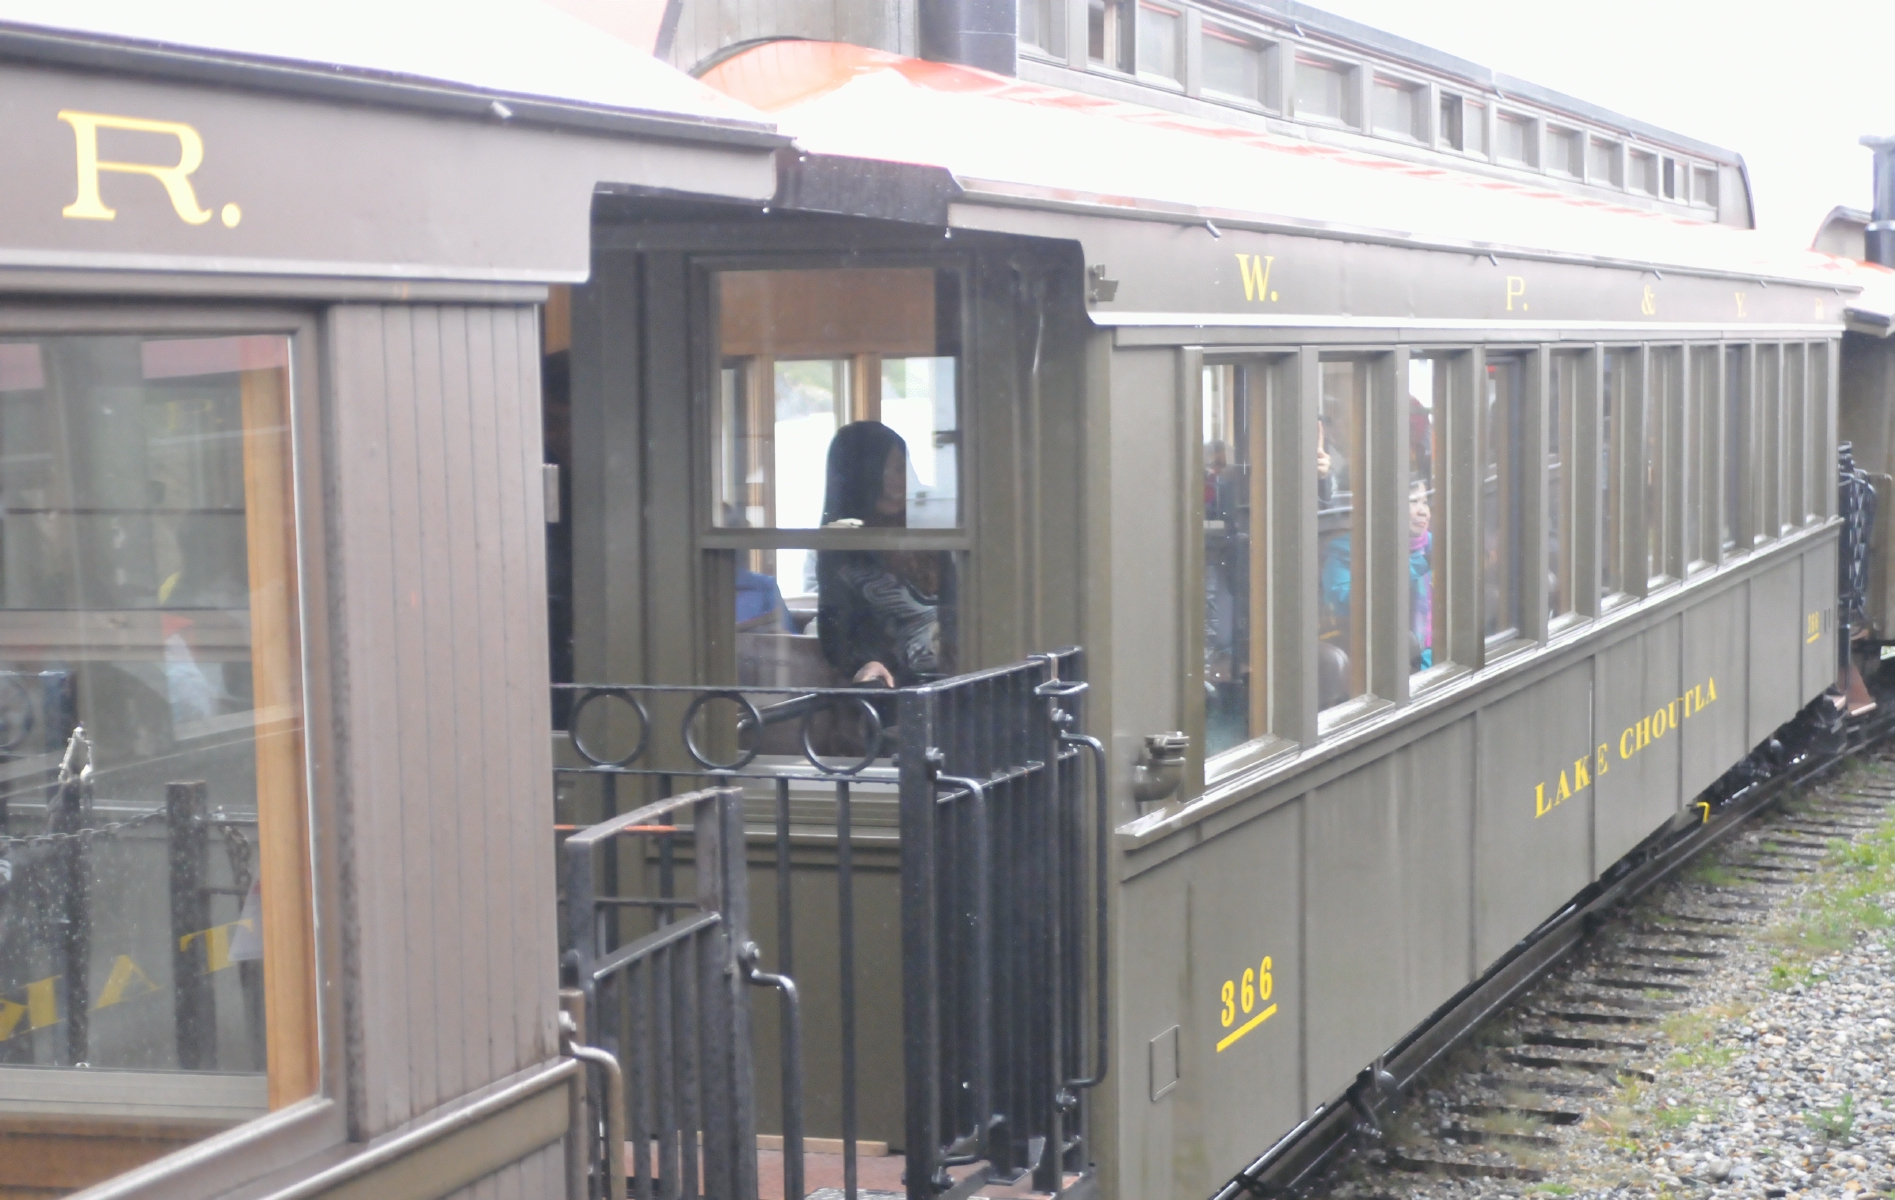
(1230, 1004)
(1580, 777)
(1644, 733)
(1602, 756)
(216, 945)
(1661, 721)
(1250, 991)
(1540, 807)
(175, 179)
(1713, 692)
(125, 972)
(1265, 984)
(1740, 304)
(1256, 272)
(1649, 305)
(42, 1003)
(1516, 290)
(1697, 694)
(1625, 737)
(1565, 793)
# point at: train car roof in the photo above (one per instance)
(1010, 142)
(544, 65)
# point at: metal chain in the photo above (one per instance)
(81, 777)
(86, 835)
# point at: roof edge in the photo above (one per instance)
(43, 46)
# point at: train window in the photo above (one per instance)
(1400, 108)
(1427, 473)
(1643, 169)
(1237, 67)
(1704, 186)
(1562, 414)
(1236, 406)
(1614, 436)
(1767, 447)
(1817, 448)
(1736, 431)
(1452, 133)
(1700, 458)
(1516, 140)
(1795, 437)
(838, 412)
(151, 687)
(1043, 26)
(1325, 90)
(1474, 128)
(1341, 456)
(1109, 34)
(1670, 175)
(1663, 402)
(1502, 507)
(1565, 152)
(1605, 162)
(1160, 42)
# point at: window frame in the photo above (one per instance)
(275, 1139)
(711, 536)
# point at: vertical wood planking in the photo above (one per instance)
(465, 667)
(528, 715)
(441, 622)
(372, 834)
(487, 924)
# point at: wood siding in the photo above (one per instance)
(539, 1176)
(437, 563)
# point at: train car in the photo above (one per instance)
(1437, 473)
(274, 918)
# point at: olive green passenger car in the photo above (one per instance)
(1436, 529)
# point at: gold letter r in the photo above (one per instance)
(176, 179)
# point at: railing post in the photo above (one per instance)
(729, 1121)
(196, 1017)
(921, 1016)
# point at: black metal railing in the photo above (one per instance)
(668, 1004)
(48, 881)
(971, 796)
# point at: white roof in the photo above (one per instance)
(523, 48)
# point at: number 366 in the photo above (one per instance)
(1245, 993)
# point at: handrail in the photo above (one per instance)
(792, 1064)
(983, 960)
(1102, 900)
(614, 1113)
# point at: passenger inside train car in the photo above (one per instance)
(837, 430)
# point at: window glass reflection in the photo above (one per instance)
(807, 353)
(1660, 404)
(148, 595)
(1736, 421)
(1235, 642)
(1612, 438)
(1341, 669)
(1561, 413)
(1427, 623)
(1503, 473)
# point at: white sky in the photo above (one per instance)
(1789, 86)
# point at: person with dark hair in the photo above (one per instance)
(879, 612)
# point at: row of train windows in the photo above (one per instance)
(1153, 42)
(1642, 466)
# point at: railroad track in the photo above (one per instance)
(1565, 1047)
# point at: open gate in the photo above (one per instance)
(999, 812)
